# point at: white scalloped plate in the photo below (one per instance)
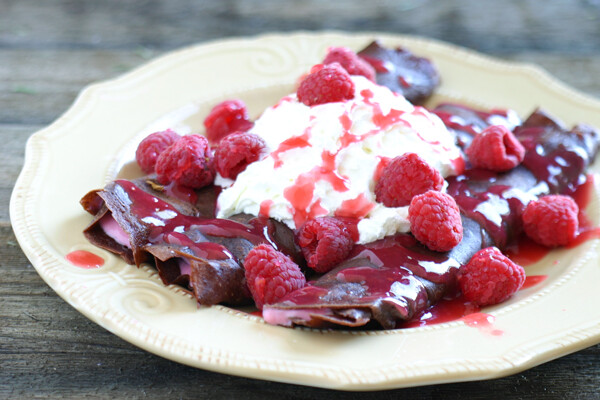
(90, 143)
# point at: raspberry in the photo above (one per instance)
(551, 220)
(435, 220)
(150, 148)
(405, 177)
(325, 242)
(350, 61)
(490, 277)
(496, 149)
(326, 84)
(187, 162)
(236, 151)
(271, 275)
(225, 118)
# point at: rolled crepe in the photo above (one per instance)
(394, 279)
(403, 72)
(141, 221)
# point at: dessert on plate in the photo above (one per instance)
(347, 203)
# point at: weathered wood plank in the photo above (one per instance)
(12, 145)
(36, 87)
(487, 25)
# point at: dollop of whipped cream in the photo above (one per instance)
(324, 160)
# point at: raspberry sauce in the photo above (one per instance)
(386, 279)
(358, 207)
(163, 223)
(301, 194)
(265, 208)
(533, 280)
(379, 65)
(294, 142)
(85, 259)
(483, 322)
(447, 310)
(526, 252)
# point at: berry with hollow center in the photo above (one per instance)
(496, 149)
(187, 162)
(236, 151)
(271, 275)
(150, 148)
(325, 242)
(350, 61)
(405, 177)
(326, 84)
(551, 220)
(225, 118)
(490, 277)
(435, 220)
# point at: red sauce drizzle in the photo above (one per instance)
(383, 162)
(380, 120)
(265, 208)
(449, 309)
(582, 197)
(85, 259)
(301, 193)
(358, 207)
(483, 322)
(459, 165)
(285, 99)
(533, 280)
(403, 82)
(182, 193)
(379, 65)
(164, 223)
(478, 319)
(288, 144)
(526, 252)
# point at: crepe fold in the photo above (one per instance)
(395, 279)
(174, 228)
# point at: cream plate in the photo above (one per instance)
(93, 142)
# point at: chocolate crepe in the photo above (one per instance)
(143, 221)
(384, 282)
(396, 278)
(403, 72)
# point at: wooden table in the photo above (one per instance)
(50, 50)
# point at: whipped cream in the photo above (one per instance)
(323, 160)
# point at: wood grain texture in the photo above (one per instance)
(50, 50)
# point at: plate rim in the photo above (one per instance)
(30, 238)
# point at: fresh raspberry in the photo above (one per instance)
(326, 84)
(271, 275)
(150, 148)
(435, 220)
(225, 118)
(490, 277)
(551, 220)
(405, 177)
(187, 162)
(236, 151)
(496, 149)
(350, 61)
(325, 242)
